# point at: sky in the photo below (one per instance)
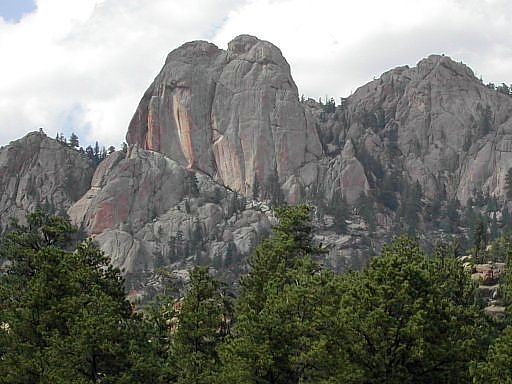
(82, 66)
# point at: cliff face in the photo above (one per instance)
(434, 123)
(232, 114)
(218, 132)
(37, 171)
(147, 211)
(235, 115)
(233, 119)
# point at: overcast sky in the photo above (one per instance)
(82, 65)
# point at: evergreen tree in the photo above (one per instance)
(411, 206)
(97, 152)
(480, 240)
(508, 184)
(497, 369)
(366, 208)
(387, 194)
(66, 311)
(89, 152)
(411, 319)
(341, 212)
(284, 312)
(274, 193)
(203, 323)
(485, 121)
(73, 141)
(255, 188)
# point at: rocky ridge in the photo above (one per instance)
(37, 171)
(221, 136)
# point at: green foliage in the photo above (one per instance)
(255, 188)
(329, 106)
(410, 319)
(387, 196)
(281, 334)
(73, 141)
(273, 189)
(191, 184)
(341, 212)
(406, 318)
(411, 207)
(486, 122)
(497, 369)
(202, 324)
(506, 280)
(508, 184)
(66, 311)
(504, 89)
(366, 208)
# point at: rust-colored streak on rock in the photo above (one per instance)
(153, 134)
(104, 217)
(228, 163)
(184, 125)
(111, 213)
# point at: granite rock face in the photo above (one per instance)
(232, 114)
(146, 211)
(235, 115)
(233, 119)
(220, 133)
(435, 123)
(37, 171)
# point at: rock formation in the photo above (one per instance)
(221, 134)
(236, 116)
(147, 211)
(435, 123)
(233, 114)
(37, 171)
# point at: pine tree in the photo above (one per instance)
(97, 152)
(284, 311)
(341, 212)
(411, 319)
(73, 141)
(366, 208)
(508, 184)
(203, 323)
(90, 153)
(255, 189)
(65, 308)
(497, 369)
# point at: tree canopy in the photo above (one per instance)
(407, 317)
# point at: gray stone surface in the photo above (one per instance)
(147, 211)
(215, 122)
(446, 129)
(232, 114)
(37, 171)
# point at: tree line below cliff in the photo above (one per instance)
(408, 317)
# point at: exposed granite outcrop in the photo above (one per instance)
(219, 127)
(146, 210)
(435, 123)
(232, 114)
(37, 171)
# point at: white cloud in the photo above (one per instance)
(88, 62)
(335, 46)
(83, 65)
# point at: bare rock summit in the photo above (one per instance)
(233, 114)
